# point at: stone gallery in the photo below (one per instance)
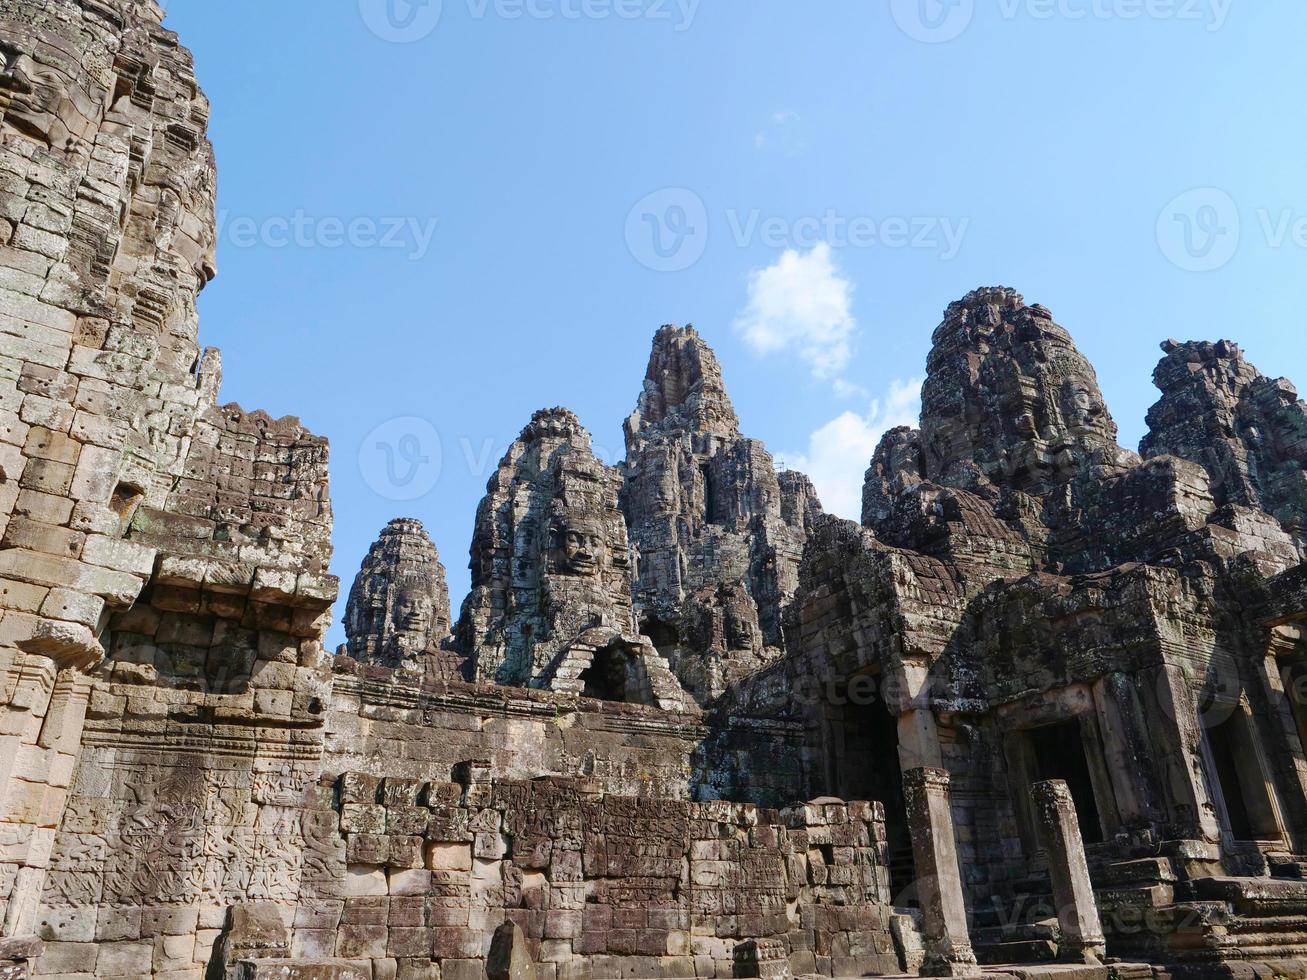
(1041, 713)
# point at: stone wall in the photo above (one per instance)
(191, 539)
(380, 723)
(600, 885)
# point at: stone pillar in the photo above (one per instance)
(1127, 749)
(1073, 893)
(1179, 740)
(909, 700)
(939, 878)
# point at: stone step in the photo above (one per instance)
(1015, 912)
(1144, 871)
(1287, 868)
(1019, 951)
(1269, 925)
(304, 970)
(1017, 932)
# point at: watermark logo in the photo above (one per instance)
(937, 21)
(667, 231)
(407, 21)
(933, 21)
(302, 230)
(940, 234)
(679, 13)
(401, 21)
(1199, 230)
(401, 459)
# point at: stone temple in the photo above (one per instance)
(1040, 714)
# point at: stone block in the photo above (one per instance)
(361, 942)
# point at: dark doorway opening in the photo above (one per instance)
(605, 678)
(869, 769)
(1241, 783)
(709, 494)
(1059, 753)
(664, 636)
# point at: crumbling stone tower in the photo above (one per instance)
(1249, 432)
(398, 612)
(706, 509)
(551, 575)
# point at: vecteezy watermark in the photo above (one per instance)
(303, 230)
(401, 21)
(406, 21)
(934, 233)
(668, 230)
(937, 21)
(679, 14)
(1202, 229)
(1199, 230)
(401, 459)
(933, 21)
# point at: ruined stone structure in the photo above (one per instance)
(398, 611)
(551, 575)
(707, 510)
(1248, 431)
(1045, 703)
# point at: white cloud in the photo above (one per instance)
(801, 304)
(839, 452)
(782, 133)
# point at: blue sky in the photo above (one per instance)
(432, 226)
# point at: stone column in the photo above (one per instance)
(918, 733)
(1073, 893)
(939, 878)
(1178, 739)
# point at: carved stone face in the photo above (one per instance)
(1054, 416)
(579, 547)
(31, 96)
(1083, 408)
(741, 628)
(412, 614)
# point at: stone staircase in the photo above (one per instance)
(1020, 926)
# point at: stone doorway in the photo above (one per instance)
(1058, 752)
(1239, 782)
(1069, 749)
(606, 677)
(867, 767)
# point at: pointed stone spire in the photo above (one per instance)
(707, 510)
(1009, 402)
(550, 556)
(683, 390)
(398, 612)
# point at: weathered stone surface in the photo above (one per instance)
(1073, 890)
(551, 575)
(705, 505)
(1249, 432)
(1008, 400)
(191, 787)
(509, 958)
(398, 612)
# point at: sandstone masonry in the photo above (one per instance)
(1042, 709)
